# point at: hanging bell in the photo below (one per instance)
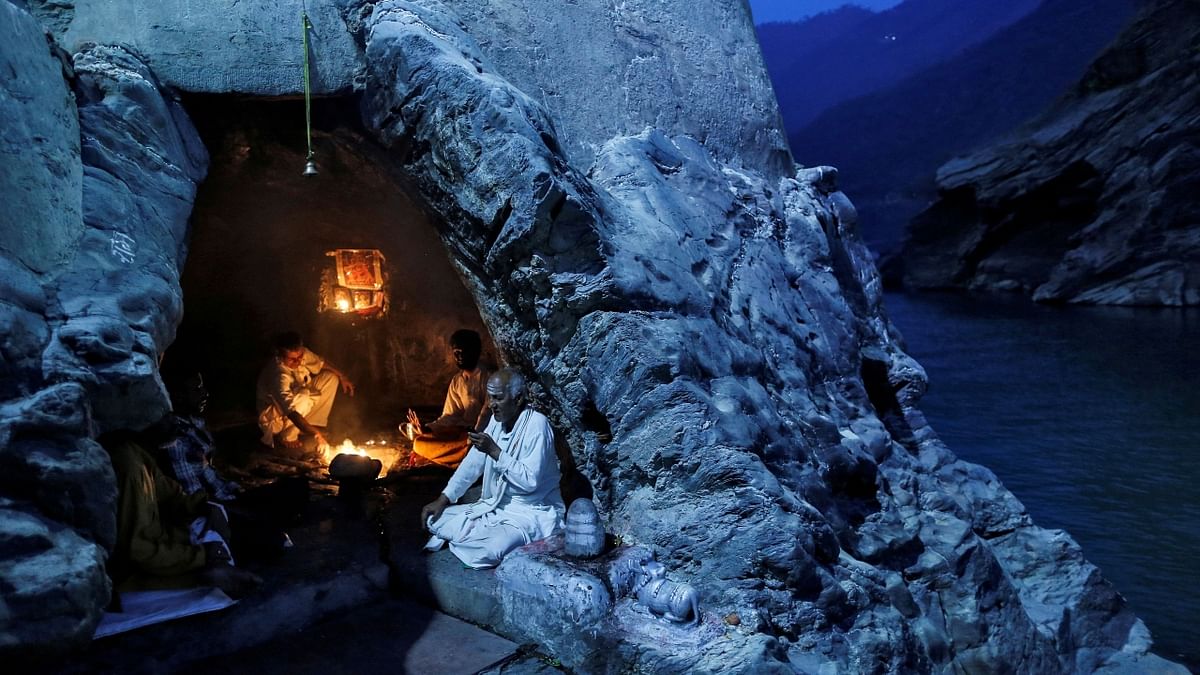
(310, 169)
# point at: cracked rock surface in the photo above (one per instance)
(702, 324)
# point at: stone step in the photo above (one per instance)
(393, 636)
(436, 579)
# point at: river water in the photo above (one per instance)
(1091, 417)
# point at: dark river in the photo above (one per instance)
(1091, 416)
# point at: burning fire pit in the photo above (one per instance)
(357, 468)
(360, 463)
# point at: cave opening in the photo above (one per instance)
(258, 257)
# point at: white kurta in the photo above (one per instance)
(465, 398)
(306, 389)
(520, 503)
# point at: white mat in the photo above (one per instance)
(145, 608)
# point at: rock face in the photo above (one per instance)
(203, 46)
(602, 70)
(1094, 202)
(705, 330)
(91, 297)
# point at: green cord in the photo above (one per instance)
(307, 86)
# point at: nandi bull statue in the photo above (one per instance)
(669, 599)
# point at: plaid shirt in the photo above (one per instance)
(190, 453)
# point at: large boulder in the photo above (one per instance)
(701, 322)
(101, 176)
(1093, 202)
(119, 299)
(725, 328)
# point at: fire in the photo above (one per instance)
(390, 456)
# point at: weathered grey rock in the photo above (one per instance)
(39, 149)
(611, 69)
(47, 459)
(223, 46)
(719, 315)
(603, 70)
(558, 604)
(120, 299)
(92, 244)
(1094, 201)
(52, 583)
(729, 329)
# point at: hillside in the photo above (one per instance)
(887, 145)
(836, 56)
(1095, 201)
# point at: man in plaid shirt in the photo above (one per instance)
(190, 447)
(258, 516)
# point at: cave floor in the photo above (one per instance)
(354, 594)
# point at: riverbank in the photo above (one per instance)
(1091, 416)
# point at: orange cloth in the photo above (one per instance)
(448, 451)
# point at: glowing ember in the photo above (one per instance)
(387, 454)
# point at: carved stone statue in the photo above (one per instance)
(669, 599)
(585, 535)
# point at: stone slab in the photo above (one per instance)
(395, 636)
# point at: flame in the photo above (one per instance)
(389, 455)
(343, 305)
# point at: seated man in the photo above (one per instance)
(187, 445)
(445, 439)
(521, 500)
(295, 393)
(258, 516)
(166, 538)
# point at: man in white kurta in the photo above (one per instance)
(465, 399)
(444, 440)
(520, 502)
(295, 393)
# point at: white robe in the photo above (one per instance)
(307, 389)
(465, 398)
(520, 503)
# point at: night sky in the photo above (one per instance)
(792, 10)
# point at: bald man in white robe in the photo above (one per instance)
(521, 501)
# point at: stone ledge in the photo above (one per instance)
(573, 609)
(333, 566)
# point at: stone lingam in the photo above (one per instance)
(584, 534)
